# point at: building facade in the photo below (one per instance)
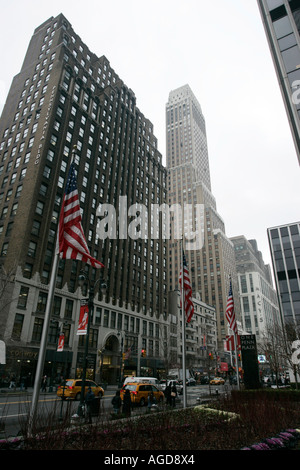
(209, 252)
(66, 96)
(200, 335)
(258, 298)
(281, 20)
(284, 241)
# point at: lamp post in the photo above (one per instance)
(121, 357)
(82, 280)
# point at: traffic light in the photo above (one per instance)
(124, 356)
(143, 354)
(211, 356)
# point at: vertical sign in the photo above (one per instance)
(250, 362)
(83, 318)
(61, 343)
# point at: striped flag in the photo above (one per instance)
(187, 289)
(230, 315)
(71, 240)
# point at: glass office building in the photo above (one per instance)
(285, 250)
(281, 19)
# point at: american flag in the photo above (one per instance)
(71, 239)
(187, 289)
(230, 315)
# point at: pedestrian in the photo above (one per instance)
(173, 395)
(127, 403)
(44, 383)
(117, 402)
(89, 398)
(168, 394)
(22, 383)
(12, 382)
(151, 401)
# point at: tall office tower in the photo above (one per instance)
(259, 305)
(63, 96)
(284, 242)
(210, 255)
(281, 20)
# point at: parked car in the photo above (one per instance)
(204, 380)
(217, 381)
(163, 384)
(190, 381)
(72, 389)
(139, 392)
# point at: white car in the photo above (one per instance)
(178, 385)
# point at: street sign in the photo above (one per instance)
(250, 362)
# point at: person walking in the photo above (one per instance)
(117, 402)
(168, 394)
(151, 401)
(89, 398)
(12, 382)
(127, 403)
(173, 395)
(44, 383)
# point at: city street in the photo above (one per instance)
(15, 406)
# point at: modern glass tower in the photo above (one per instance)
(211, 259)
(284, 242)
(281, 20)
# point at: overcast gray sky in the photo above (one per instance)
(217, 47)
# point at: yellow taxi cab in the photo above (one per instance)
(139, 392)
(217, 381)
(72, 389)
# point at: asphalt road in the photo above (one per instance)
(15, 407)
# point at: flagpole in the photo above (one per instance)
(236, 360)
(42, 350)
(183, 329)
(43, 345)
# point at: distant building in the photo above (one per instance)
(210, 256)
(281, 20)
(284, 241)
(201, 334)
(258, 298)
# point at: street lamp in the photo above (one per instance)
(121, 357)
(82, 279)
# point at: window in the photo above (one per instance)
(68, 308)
(23, 297)
(18, 325)
(42, 301)
(32, 249)
(37, 329)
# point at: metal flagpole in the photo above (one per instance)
(42, 351)
(183, 329)
(43, 345)
(236, 361)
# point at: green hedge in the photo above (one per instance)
(267, 393)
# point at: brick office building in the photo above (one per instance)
(66, 96)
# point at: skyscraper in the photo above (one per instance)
(211, 258)
(281, 20)
(66, 96)
(284, 241)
